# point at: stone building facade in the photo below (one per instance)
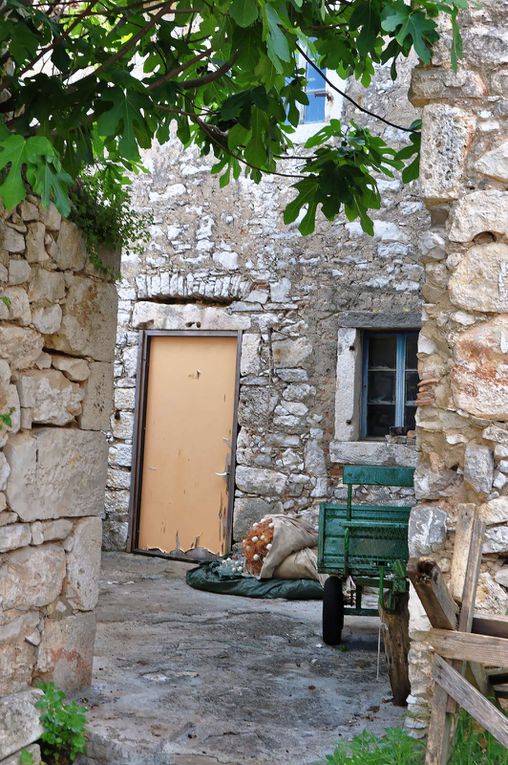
(57, 333)
(223, 259)
(463, 415)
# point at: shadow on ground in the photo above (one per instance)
(183, 677)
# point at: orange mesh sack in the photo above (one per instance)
(270, 541)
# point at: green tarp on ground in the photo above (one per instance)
(207, 577)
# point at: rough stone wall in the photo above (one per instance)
(57, 334)
(223, 259)
(463, 417)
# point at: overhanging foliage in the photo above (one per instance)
(95, 82)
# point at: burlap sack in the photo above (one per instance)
(289, 535)
(300, 565)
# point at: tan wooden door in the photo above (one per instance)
(190, 409)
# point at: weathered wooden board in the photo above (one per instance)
(471, 700)
(428, 582)
(465, 646)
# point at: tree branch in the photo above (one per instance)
(179, 69)
(133, 40)
(211, 76)
(58, 39)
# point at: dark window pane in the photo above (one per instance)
(411, 386)
(411, 345)
(381, 387)
(382, 351)
(380, 418)
(409, 417)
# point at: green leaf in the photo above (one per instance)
(125, 120)
(12, 155)
(412, 25)
(277, 44)
(244, 12)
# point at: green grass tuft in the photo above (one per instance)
(473, 746)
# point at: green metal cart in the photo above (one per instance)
(366, 542)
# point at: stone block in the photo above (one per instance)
(35, 248)
(495, 511)
(19, 307)
(7, 517)
(19, 272)
(12, 240)
(478, 212)
(372, 453)
(54, 400)
(19, 721)
(98, 397)
(480, 282)
(66, 651)
(427, 529)
(48, 531)
(70, 252)
(479, 468)
(31, 577)
(491, 598)
(250, 360)
(20, 346)
(147, 315)
(75, 369)
(494, 164)
(496, 540)
(260, 481)
(14, 535)
(4, 471)
(56, 472)
(315, 462)
(47, 320)
(17, 653)
(479, 378)
(89, 320)
(447, 133)
(123, 425)
(431, 83)
(291, 353)
(119, 479)
(46, 286)
(84, 564)
(248, 510)
(114, 534)
(50, 217)
(125, 398)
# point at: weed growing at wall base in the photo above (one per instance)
(473, 746)
(64, 724)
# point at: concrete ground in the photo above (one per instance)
(183, 677)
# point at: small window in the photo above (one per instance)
(315, 89)
(390, 379)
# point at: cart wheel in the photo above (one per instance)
(333, 611)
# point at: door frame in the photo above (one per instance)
(138, 443)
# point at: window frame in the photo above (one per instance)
(400, 374)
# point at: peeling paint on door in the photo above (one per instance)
(187, 445)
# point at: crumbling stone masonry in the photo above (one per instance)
(463, 417)
(223, 259)
(57, 333)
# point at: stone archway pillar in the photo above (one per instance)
(57, 335)
(463, 350)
